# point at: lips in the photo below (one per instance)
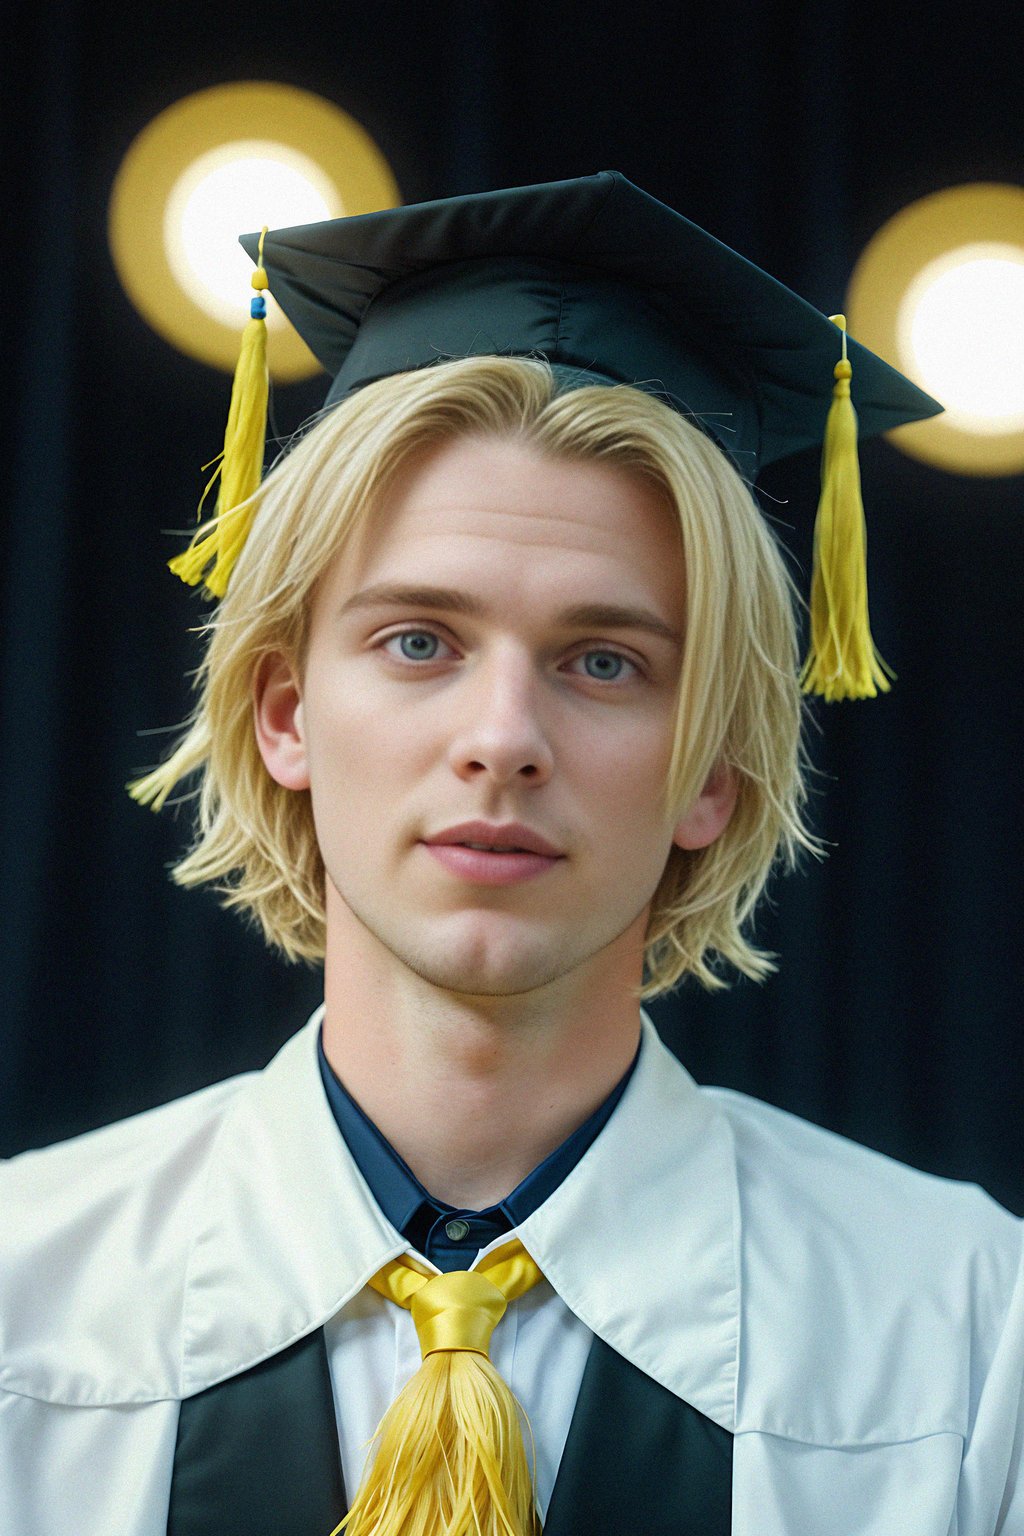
(507, 837)
(485, 853)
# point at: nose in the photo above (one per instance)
(498, 732)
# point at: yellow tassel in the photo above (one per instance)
(240, 468)
(435, 1472)
(842, 662)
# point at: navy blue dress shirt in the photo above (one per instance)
(451, 1238)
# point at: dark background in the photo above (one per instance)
(790, 131)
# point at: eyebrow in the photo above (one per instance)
(450, 600)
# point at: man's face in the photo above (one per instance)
(501, 645)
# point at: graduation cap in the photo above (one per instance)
(612, 287)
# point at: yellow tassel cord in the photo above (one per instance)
(450, 1461)
(842, 662)
(240, 468)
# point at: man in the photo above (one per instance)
(500, 719)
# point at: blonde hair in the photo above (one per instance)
(739, 700)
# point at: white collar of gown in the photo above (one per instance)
(878, 1368)
(641, 1240)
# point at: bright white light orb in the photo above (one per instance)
(235, 187)
(939, 293)
(215, 165)
(961, 333)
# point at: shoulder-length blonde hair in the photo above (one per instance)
(738, 699)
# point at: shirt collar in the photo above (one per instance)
(400, 1194)
(288, 1230)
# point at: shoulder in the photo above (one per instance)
(802, 1161)
(893, 1289)
(95, 1227)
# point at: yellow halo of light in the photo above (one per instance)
(939, 293)
(218, 164)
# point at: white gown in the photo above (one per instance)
(857, 1325)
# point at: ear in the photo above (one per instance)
(711, 812)
(278, 721)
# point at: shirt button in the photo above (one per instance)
(456, 1230)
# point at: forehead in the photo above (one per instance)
(502, 513)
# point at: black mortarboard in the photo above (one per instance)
(597, 276)
(610, 286)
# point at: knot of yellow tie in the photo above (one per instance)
(451, 1457)
(458, 1310)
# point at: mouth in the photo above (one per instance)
(482, 863)
(510, 837)
(491, 847)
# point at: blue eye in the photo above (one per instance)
(419, 647)
(604, 666)
(418, 644)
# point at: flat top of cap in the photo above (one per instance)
(598, 276)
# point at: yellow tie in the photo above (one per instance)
(450, 1459)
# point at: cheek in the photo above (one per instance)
(360, 745)
(624, 778)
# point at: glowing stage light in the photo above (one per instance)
(962, 323)
(217, 198)
(940, 293)
(216, 165)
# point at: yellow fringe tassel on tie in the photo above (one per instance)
(450, 1458)
(842, 662)
(240, 468)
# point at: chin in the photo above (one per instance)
(483, 972)
(477, 954)
(463, 958)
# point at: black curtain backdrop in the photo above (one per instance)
(792, 131)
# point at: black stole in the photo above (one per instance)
(259, 1452)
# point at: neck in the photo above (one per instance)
(473, 1091)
